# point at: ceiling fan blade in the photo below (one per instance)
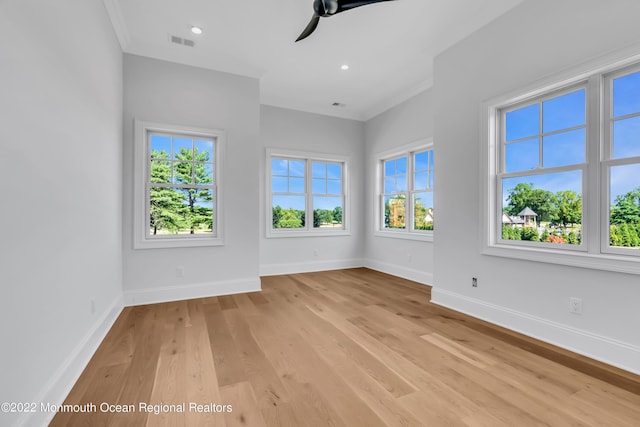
(347, 5)
(311, 26)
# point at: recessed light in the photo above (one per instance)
(196, 30)
(344, 67)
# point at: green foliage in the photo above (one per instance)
(624, 235)
(627, 208)
(172, 210)
(544, 236)
(337, 214)
(287, 218)
(511, 233)
(568, 208)
(530, 233)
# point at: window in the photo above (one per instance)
(178, 193)
(406, 192)
(564, 172)
(306, 194)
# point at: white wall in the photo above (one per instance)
(535, 40)
(170, 93)
(404, 124)
(60, 181)
(307, 132)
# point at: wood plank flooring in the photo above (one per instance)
(341, 348)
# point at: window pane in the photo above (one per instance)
(562, 149)
(288, 211)
(334, 171)
(279, 167)
(394, 212)
(182, 149)
(626, 138)
(319, 170)
(401, 165)
(160, 146)
(327, 212)
(523, 122)
(203, 173)
(626, 95)
(279, 184)
(522, 156)
(296, 185)
(296, 167)
(544, 207)
(421, 161)
(564, 112)
(182, 173)
(334, 186)
(204, 150)
(389, 185)
(423, 211)
(389, 168)
(180, 211)
(160, 171)
(421, 181)
(401, 183)
(319, 186)
(624, 216)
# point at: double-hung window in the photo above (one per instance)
(405, 195)
(307, 194)
(563, 172)
(177, 186)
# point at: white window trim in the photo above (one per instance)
(593, 255)
(141, 239)
(308, 230)
(408, 233)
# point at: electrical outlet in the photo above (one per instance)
(474, 282)
(315, 252)
(93, 306)
(179, 271)
(575, 305)
(409, 257)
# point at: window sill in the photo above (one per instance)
(177, 242)
(306, 233)
(406, 235)
(617, 263)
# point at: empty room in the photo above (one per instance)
(320, 213)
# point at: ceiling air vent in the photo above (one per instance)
(339, 104)
(180, 40)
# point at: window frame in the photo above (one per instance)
(408, 151)
(308, 230)
(142, 185)
(594, 252)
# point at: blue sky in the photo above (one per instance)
(288, 175)
(557, 126)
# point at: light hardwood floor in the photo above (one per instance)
(353, 348)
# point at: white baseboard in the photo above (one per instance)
(426, 278)
(606, 350)
(190, 291)
(59, 385)
(308, 267)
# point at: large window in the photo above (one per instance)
(564, 171)
(307, 194)
(406, 192)
(178, 171)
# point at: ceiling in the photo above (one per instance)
(389, 46)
